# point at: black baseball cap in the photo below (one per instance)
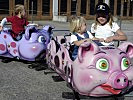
(102, 8)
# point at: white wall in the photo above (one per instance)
(55, 7)
(107, 2)
(55, 13)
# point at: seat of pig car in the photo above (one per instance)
(67, 45)
(19, 37)
(11, 32)
(56, 43)
(32, 30)
(71, 48)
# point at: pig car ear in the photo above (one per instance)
(86, 47)
(28, 31)
(48, 28)
(128, 48)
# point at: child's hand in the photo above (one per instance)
(101, 40)
(33, 24)
(36, 25)
(87, 40)
(1, 28)
(109, 39)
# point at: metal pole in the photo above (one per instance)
(121, 14)
(32, 12)
(76, 7)
(131, 7)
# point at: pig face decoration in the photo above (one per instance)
(103, 71)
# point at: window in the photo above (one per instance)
(46, 7)
(34, 4)
(73, 7)
(92, 7)
(19, 2)
(4, 6)
(63, 7)
(118, 7)
(131, 8)
(112, 6)
(83, 7)
(125, 8)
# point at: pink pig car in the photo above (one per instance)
(97, 71)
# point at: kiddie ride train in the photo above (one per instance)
(31, 47)
(97, 71)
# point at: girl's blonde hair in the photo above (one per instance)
(75, 23)
(19, 8)
(110, 20)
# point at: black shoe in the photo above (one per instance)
(5, 60)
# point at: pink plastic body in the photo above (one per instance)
(97, 71)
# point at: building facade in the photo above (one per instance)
(61, 10)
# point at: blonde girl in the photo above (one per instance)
(79, 33)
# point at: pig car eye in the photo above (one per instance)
(41, 39)
(124, 64)
(102, 65)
